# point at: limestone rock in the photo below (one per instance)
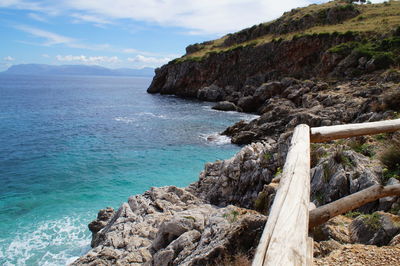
(375, 229)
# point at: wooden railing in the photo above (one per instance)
(285, 238)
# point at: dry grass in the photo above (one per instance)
(237, 260)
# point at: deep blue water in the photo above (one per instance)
(72, 145)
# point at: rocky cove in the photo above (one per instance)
(317, 79)
(222, 215)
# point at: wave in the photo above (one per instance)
(242, 116)
(151, 114)
(53, 242)
(125, 119)
(248, 117)
(138, 117)
(216, 138)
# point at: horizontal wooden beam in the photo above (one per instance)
(284, 240)
(324, 213)
(322, 134)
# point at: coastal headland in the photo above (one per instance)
(327, 64)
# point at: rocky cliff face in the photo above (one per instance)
(333, 40)
(247, 67)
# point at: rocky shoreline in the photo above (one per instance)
(319, 79)
(223, 214)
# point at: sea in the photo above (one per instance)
(71, 145)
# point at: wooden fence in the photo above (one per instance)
(285, 240)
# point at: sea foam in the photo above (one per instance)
(52, 242)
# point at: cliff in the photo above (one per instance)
(321, 65)
(303, 43)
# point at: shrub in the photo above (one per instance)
(384, 52)
(236, 260)
(316, 154)
(392, 101)
(391, 159)
(261, 202)
(372, 220)
(343, 48)
(359, 145)
(340, 158)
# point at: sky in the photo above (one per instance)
(122, 33)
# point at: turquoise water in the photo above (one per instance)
(72, 145)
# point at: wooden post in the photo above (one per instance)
(322, 134)
(284, 240)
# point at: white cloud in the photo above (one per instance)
(37, 17)
(50, 37)
(196, 16)
(46, 55)
(36, 6)
(8, 58)
(148, 61)
(130, 51)
(90, 60)
(79, 18)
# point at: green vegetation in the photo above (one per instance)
(385, 52)
(319, 196)
(267, 156)
(261, 202)
(317, 152)
(327, 172)
(361, 147)
(232, 216)
(395, 210)
(340, 158)
(278, 171)
(372, 220)
(352, 214)
(190, 218)
(381, 136)
(390, 158)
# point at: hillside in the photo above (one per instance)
(41, 69)
(336, 40)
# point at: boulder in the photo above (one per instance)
(268, 90)
(243, 137)
(374, 229)
(341, 173)
(103, 217)
(248, 104)
(385, 204)
(226, 106)
(211, 93)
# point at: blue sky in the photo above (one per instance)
(121, 33)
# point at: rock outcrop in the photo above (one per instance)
(171, 226)
(212, 219)
(378, 228)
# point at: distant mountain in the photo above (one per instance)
(41, 69)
